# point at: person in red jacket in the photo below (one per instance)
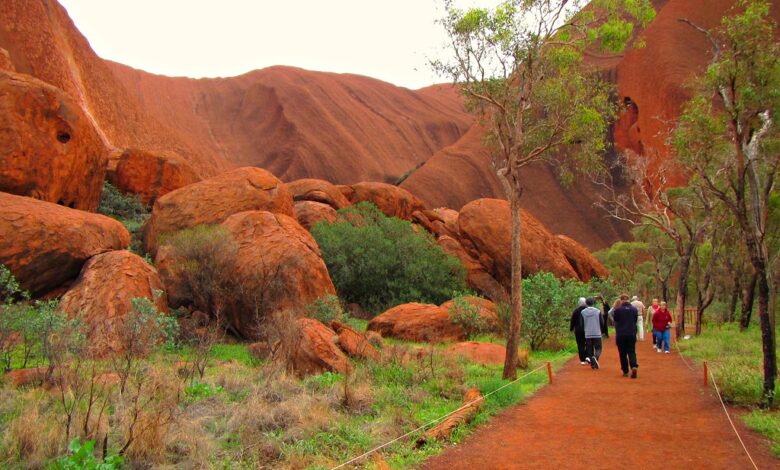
(662, 324)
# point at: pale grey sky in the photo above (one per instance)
(386, 39)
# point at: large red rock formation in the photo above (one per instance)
(151, 175)
(5, 61)
(584, 263)
(309, 213)
(317, 351)
(104, 305)
(417, 322)
(477, 277)
(392, 200)
(278, 266)
(45, 245)
(486, 230)
(49, 149)
(213, 200)
(314, 190)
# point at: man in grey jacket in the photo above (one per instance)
(591, 323)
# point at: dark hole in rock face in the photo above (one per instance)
(63, 137)
(627, 101)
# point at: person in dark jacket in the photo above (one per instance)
(604, 315)
(625, 317)
(575, 325)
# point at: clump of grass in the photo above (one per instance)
(768, 424)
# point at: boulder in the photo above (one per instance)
(278, 259)
(49, 148)
(584, 263)
(317, 351)
(392, 200)
(6, 65)
(485, 227)
(45, 245)
(309, 213)
(310, 189)
(480, 353)
(417, 322)
(354, 343)
(487, 309)
(213, 200)
(443, 221)
(477, 276)
(150, 175)
(24, 377)
(104, 305)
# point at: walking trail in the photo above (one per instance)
(666, 419)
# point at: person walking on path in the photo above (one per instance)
(575, 325)
(662, 324)
(649, 321)
(592, 325)
(605, 315)
(625, 317)
(640, 307)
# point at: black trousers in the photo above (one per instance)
(580, 345)
(627, 350)
(593, 349)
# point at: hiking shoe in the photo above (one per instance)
(595, 363)
(625, 374)
(633, 372)
(583, 363)
(665, 352)
(658, 350)
(587, 359)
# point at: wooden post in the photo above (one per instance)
(705, 373)
(549, 372)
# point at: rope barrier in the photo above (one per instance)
(430, 423)
(723, 404)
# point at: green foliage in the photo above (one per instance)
(547, 302)
(379, 262)
(82, 457)
(196, 391)
(326, 309)
(628, 265)
(768, 424)
(127, 209)
(10, 290)
(468, 317)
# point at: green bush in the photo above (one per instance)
(200, 390)
(547, 304)
(468, 317)
(379, 262)
(82, 457)
(127, 209)
(326, 309)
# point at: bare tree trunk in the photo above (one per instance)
(516, 318)
(748, 294)
(768, 338)
(682, 289)
(731, 315)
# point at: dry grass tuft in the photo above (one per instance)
(33, 437)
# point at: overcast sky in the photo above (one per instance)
(386, 39)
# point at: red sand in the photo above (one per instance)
(599, 419)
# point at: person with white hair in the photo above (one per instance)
(640, 324)
(575, 325)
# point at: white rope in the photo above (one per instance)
(717, 390)
(366, 454)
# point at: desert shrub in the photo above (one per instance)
(127, 209)
(468, 317)
(547, 302)
(327, 309)
(82, 457)
(199, 390)
(379, 262)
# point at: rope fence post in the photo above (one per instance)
(549, 372)
(705, 373)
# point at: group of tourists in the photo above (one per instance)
(590, 322)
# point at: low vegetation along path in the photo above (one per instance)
(666, 418)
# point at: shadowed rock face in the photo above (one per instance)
(49, 149)
(317, 351)
(104, 305)
(45, 245)
(150, 175)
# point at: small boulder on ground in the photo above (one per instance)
(392, 200)
(45, 245)
(49, 148)
(317, 351)
(354, 343)
(151, 174)
(213, 200)
(309, 213)
(103, 293)
(485, 307)
(480, 353)
(417, 322)
(24, 377)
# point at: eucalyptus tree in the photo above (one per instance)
(520, 66)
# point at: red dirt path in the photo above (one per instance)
(599, 419)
